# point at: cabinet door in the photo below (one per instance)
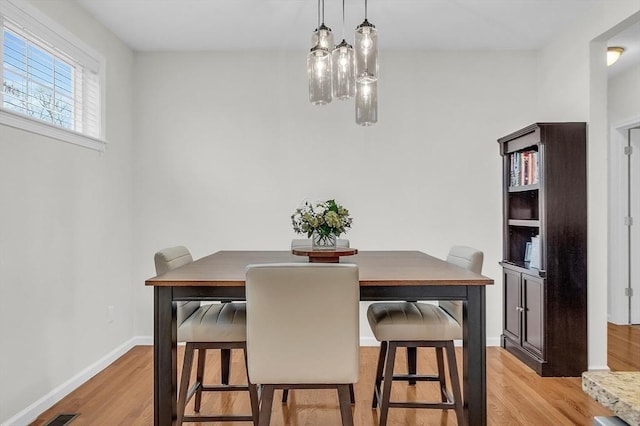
(512, 305)
(533, 320)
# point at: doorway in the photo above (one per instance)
(624, 214)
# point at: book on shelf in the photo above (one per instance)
(523, 168)
(535, 252)
(527, 252)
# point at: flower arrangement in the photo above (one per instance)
(325, 219)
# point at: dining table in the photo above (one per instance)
(383, 275)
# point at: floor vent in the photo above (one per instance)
(61, 420)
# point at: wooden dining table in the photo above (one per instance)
(384, 275)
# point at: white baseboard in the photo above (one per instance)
(599, 368)
(143, 341)
(493, 341)
(368, 341)
(29, 414)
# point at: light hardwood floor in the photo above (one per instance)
(122, 394)
(623, 347)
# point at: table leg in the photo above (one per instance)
(164, 357)
(474, 357)
(412, 363)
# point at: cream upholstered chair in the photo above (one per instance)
(413, 325)
(296, 345)
(306, 242)
(202, 327)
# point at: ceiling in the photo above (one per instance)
(179, 25)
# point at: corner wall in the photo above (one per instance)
(66, 240)
(572, 87)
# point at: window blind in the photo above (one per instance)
(49, 77)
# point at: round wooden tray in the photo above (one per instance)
(324, 256)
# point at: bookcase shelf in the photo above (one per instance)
(545, 247)
(527, 223)
(522, 188)
(523, 267)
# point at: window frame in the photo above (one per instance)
(51, 36)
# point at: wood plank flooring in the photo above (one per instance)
(623, 347)
(122, 394)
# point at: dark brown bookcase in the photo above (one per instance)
(545, 301)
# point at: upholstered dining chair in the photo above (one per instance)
(414, 325)
(306, 242)
(294, 345)
(213, 326)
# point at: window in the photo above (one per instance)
(51, 82)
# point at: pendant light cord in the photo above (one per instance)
(318, 15)
(343, 19)
(365, 10)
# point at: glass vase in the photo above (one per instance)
(323, 242)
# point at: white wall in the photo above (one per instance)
(227, 146)
(624, 96)
(65, 240)
(572, 87)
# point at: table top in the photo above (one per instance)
(376, 268)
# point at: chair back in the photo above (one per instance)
(467, 258)
(302, 323)
(306, 242)
(172, 258)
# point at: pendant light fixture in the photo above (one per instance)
(366, 61)
(366, 50)
(319, 61)
(342, 59)
(343, 71)
(366, 102)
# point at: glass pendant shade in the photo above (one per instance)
(343, 71)
(322, 37)
(366, 52)
(319, 72)
(366, 102)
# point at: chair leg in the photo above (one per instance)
(412, 363)
(455, 383)
(379, 372)
(253, 392)
(225, 365)
(388, 379)
(412, 358)
(265, 405)
(352, 395)
(345, 404)
(441, 376)
(255, 402)
(202, 355)
(184, 381)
